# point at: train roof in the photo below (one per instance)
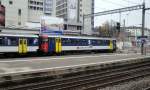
(61, 36)
(18, 35)
(80, 37)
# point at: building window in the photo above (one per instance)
(41, 3)
(31, 2)
(41, 9)
(10, 2)
(38, 8)
(38, 3)
(34, 8)
(48, 14)
(31, 7)
(19, 23)
(35, 2)
(19, 12)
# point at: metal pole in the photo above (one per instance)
(83, 24)
(124, 22)
(143, 27)
(120, 18)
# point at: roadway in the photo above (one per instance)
(22, 65)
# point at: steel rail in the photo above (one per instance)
(68, 80)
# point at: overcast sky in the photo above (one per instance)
(132, 18)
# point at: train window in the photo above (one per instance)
(66, 41)
(12, 41)
(71, 41)
(63, 41)
(20, 41)
(32, 41)
(35, 42)
(106, 42)
(44, 39)
(103, 43)
(98, 42)
(94, 42)
(1, 41)
(78, 41)
(85, 42)
(25, 42)
(89, 42)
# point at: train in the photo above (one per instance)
(2, 15)
(50, 44)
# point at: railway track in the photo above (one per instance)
(91, 79)
(147, 88)
(30, 55)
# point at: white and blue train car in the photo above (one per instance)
(87, 43)
(58, 44)
(25, 43)
(18, 43)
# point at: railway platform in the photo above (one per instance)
(53, 64)
(65, 72)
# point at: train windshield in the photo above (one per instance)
(45, 40)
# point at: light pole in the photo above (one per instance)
(83, 24)
(143, 26)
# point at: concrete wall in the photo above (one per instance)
(34, 16)
(13, 19)
(31, 15)
(87, 9)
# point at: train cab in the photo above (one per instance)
(43, 43)
(50, 44)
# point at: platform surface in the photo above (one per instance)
(22, 65)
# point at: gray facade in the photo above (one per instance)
(48, 7)
(73, 11)
(88, 8)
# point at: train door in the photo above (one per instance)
(43, 43)
(51, 45)
(58, 45)
(22, 48)
(111, 45)
(114, 45)
(25, 45)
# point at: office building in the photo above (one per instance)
(73, 11)
(19, 12)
